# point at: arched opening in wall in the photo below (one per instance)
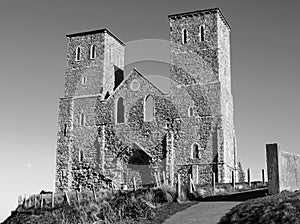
(93, 52)
(120, 112)
(184, 36)
(149, 108)
(139, 167)
(78, 54)
(195, 151)
(81, 156)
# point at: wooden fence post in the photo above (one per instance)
(164, 177)
(77, 197)
(67, 198)
(263, 176)
(158, 178)
(29, 201)
(52, 200)
(34, 201)
(94, 193)
(178, 187)
(213, 183)
(190, 183)
(41, 196)
(248, 176)
(134, 183)
(233, 179)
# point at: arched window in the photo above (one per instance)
(82, 119)
(184, 36)
(149, 108)
(195, 151)
(93, 52)
(201, 33)
(78, 54)
(120, 111)
(191, 111)
(81, 156)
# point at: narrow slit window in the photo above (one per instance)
(65, 129)
(78, 54)
(82, 119)
(201, 33)
(195, 151)
(83, 80)
(191, 112)
(110, 55)
(93, 52)
(81, 156)
(184, 36)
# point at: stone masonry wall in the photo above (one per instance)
(91, 69)
(283, 169)
(204, 68)
(64, 141)
(226, 98)
(93, 148)
(113, 56)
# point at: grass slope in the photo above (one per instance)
(283, 208)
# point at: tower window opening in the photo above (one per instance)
(78, 54)
(93, 52)
(195, 151)
(82, 119)
(201, 33)
(149, 108)
(120, 111)
(184, 36)
(81, 156)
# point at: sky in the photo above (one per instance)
(264, 63)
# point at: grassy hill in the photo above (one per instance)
(283, 208)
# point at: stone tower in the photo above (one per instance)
(95, 62)
(200, 69)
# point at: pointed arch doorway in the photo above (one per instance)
(139, 167)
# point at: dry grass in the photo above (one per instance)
(118, 207)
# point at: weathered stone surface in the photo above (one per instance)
(88, 128)
(283, 169)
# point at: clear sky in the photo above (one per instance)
(265, 74)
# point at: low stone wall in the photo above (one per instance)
(283, 170)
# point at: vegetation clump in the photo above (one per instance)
(119, 207)
(283, 208)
